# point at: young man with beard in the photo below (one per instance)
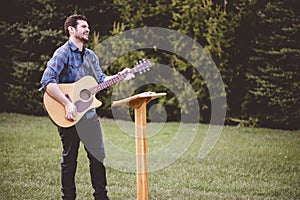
(69, 63)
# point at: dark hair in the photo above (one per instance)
(72, 21)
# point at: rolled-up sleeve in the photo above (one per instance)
(53, 69)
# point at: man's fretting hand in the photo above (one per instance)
(129, 75)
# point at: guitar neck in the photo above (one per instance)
(141, 66)
(106, 84)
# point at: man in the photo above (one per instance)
(71, 62)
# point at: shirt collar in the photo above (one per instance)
(74, 47)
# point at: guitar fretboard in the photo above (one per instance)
(106, 84)
(141, 66)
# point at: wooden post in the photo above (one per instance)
(139, 102)
(141, 152)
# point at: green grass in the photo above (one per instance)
(246, 163)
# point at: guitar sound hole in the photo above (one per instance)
(85, 94)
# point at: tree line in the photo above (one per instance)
(254, 44)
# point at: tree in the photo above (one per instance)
(29, 40)
(34, 37)
(275, 96)
(252, 42)
(243, 27)
(207, 23)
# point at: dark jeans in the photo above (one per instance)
(70, 142)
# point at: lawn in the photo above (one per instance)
(246, 163)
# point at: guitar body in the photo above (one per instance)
(79, 94)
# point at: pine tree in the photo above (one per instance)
(275, 94)
(35, 36)
(30, 32)
(206, 22)
(243, 25)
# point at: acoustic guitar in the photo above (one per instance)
(82, 94)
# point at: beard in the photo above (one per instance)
(81, 37)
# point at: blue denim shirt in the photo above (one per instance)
(68, 65)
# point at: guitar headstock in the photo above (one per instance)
(142, 66)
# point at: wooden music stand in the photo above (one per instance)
(139, 102)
